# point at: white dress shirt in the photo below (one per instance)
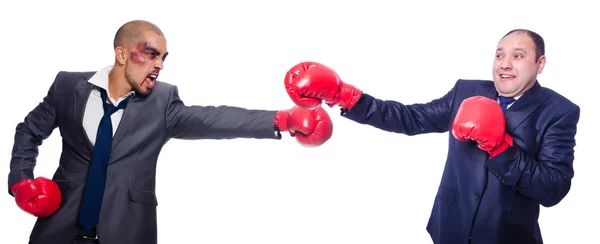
(94, 109)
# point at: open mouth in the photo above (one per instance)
(507, 77)
(150, 80)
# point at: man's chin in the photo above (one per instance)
(508, 92)
(142, 90)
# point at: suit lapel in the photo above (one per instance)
(134, 106)
(521, 109)
(82, 95)
(524, 107)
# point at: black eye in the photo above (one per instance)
(152, 54)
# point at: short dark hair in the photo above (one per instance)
(538, 41)
(132, 30)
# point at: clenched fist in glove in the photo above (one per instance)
(310, 127)
(310, 83)
(481, 119)
(40, 197)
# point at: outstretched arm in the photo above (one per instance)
(546, 178)
(310, 83)
(37, 126)
(217, 122)
(310, 127)
(394, 116)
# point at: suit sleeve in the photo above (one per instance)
(547, 177)
(393, 116)
(217, 122)
(37, 126)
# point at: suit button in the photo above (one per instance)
(476, 195)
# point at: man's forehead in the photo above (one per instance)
(154, 41)
(515, 42)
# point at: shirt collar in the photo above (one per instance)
(517, 97)
(100, 79)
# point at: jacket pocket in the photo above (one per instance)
(143, 197)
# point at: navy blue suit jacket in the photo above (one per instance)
(490, 200)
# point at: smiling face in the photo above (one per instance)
(515, 66)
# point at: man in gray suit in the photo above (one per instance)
(113, 124)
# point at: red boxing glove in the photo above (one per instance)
(311, 128)
(481, 119)
(308, 83)
(40, 197)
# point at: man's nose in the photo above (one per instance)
(158, 64)
(506, 64)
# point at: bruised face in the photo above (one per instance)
(144, 61)
(515, 65)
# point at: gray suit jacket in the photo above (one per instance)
(128, 214)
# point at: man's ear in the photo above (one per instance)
(541, 64)
(120, 55)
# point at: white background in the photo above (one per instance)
(364, 185)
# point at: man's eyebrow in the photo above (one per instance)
(515, 49)
(151, 49)
(155, 51)
(520, 49)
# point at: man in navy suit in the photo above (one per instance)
(510, 151)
